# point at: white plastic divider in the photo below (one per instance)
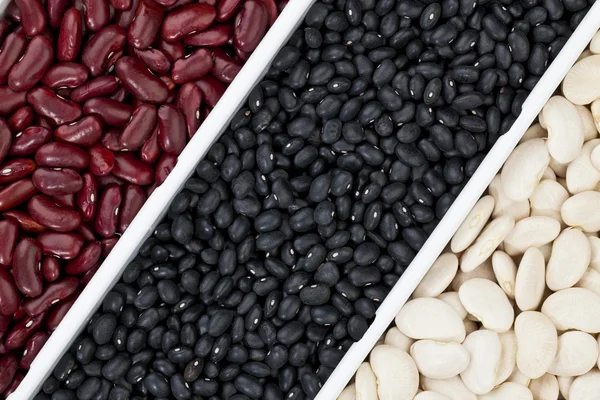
(478, 183)
(156, 206)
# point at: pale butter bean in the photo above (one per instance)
(534, 131)
(576, 355)
(503, 205)
(590, 280)
(565, 129)
(473, 224)
(508, 357)
(505, 271)
(430, 318)
(586, 387)
(518, 377)
(564, 385)
(349, 393)
(598, 341)
(524, 168)
(545, 388)
(484, 348)
(595, 247)
(547, 199)
(581, 211)
(439, 360)
(560, 169)
(470, 326)
(582, 175)
(595, 43)
(484, 271)
(398, 383)
(531, 232)
(546, 251)
(429, 395)
(537, 341)
(574, 308)
(366, 383)
(581, 85)
(439, 276)
(487, 302)
(453, 388)
(548, 174)
(571, 254)
(453, 300)
(589, 126)
(487, 242)
(508, 390)
(595, 111)
(395, 338)
(531, 282)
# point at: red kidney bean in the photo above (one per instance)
(5, 321)
(85, 133)
(9, 232)
(166, 3)
(57, 182)
(140, 128)
(211, 89)
(58, 312)
(45, 211)
(224, 68)
(111, 112)
(5, 139)
(67, 200)
(21, 119)
(88, 257)
(8, 368)
(68, 74)
(154, 59)
(108, 244)
(61, 155)
(11, 101)
(164, 167)
(171, 129)
(101, 46)
(70, 35)
(61, 245)
(250, 25)
(14, 384)
(32, 348)
(97, 14)
(133, 170)
(33, 16)
(102, 161)
(28, 141)
(23, 330)
(30, 69)
(9, 295)
(216, 35)
(107, 216)
(167, 80)
(139, 81)
(56, 10)
(4, 29)
(101, 86)
(58, 110)
(145, 25)
(87, 232)
(121, 4)
(151, 150)
(189, 100)
(193, 66)
(50, 268)
(12, 12)
(16, 193)
(227, 8)
(173, 50)
(124, 17)
(271, 10)
(16, 169)
(133, 200)
(26, 267)
(110, 140)
(12, 49)
(120, 94)
(25, 221)
(187, 19)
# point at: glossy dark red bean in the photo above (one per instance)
(155, 60)
(102, 161)
(5, 322)
(87, 258)
(250, 25)
(107, 245)
(21, 119)
(189, 100)
(224, 68)
(193, 66)
(111, 112)
(101, 46)
(133, 200)
(172, 131)
(19, 376)
(271, 10)
(227, 9)
(166, 3)
(25, 221)
(33, 16)
(136, 78)
(15, 169)
(57, 9)
(32, 348)
(58, 312)
(87, 197)
(107, 216)
(151, 149)
(53, 293)
(216, 35)
(16, 193)
(23, 330)
(57, 182)
(87, 232)
(140, 127)
(50, 268)
(58, 218)
(97, 87)
(26, 267)
(173, 50)
(165, 165)
(121, 4)
(11, 101)
(9, 295)
(133, 170)
(5, 139)
(9, 363)
(67, 200)
(61, 155)
(110, 140)
(211, 89)
(9, 232)
(125, 17)
(61, 245)
(85, 133)
(67, 74)
(30, 140)
(12, 49)
(187, 19)
(4, 29)
(97, 14)
(145, 25)
(56, 109)
(30, 68)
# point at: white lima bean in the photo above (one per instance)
(595, 111)
(487, 242)
(571, 254)
(430, 318)
(366, 383)
(505, 271)
(395, 338)
(473, 224)
(509, 390)
(574, 308)
(577, 354)
(440, 360)
(453, 300)
(582, 84)
(453, 388)
(547, 199)
(508, 357)
(487, 302)
(531, 232)
(595, 247)
(349, 393)
(545, 388)
(537, 342)
(534, 131)
(590, 281)
(524, 168)
(429, 395)
(582, 175)
(503, 205)
(581, 211)
(518, 377)
(439, 276)
(564, 385)
(530, 282)
(589, 126)
(398, 383)
(559, 169)
(484, 348)
(565, 129)
(595, 43)
(484, 271)
(586, 387)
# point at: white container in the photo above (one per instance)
(217, 121)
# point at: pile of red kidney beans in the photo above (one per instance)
(97, 99)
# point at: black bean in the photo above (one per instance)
(157, 385)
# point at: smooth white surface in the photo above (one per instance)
(152, 212)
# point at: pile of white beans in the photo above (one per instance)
(511, 309)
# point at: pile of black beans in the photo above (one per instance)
(273, 260)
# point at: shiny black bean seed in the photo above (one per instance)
(156, 385)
